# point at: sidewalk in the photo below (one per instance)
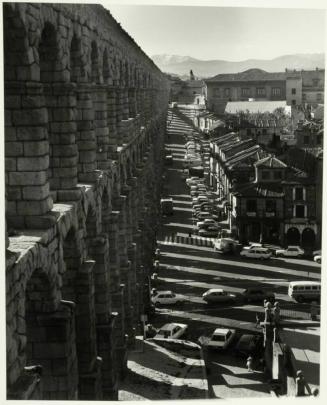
(304, 341)
(158, 373)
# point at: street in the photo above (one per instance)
(191, 269)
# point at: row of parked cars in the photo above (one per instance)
(214, 295)
(204, 211)
(258, 251)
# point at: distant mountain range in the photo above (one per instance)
(181, 65)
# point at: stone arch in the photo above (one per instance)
(76, 63)
(48, 53)
(78, 286)
(106, 67)
(95, 74)
(293, 236)
(91, 223)
(129, 168)
(46, 334)
(308, 238)
(122, 174)
(71, 263)
(17, 55)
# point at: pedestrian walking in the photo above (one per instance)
(157, 253)
(276, 313)
(249, 363)
(257, 320)
(156, 266)
(301, 386)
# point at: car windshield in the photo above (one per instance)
(218, 338)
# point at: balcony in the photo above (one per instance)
(258, 214)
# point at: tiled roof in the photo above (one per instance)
(244, 143)
(262, 190)
(248, 75)
(271, 162)
(234, 107)
(242, 155)
(221, 139)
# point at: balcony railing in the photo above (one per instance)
(259, 214)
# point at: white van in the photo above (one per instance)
(304, 290)
(225, 245)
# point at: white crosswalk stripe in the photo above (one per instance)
(186, 240)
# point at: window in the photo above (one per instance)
(304, 96)
(278, 175)
(276, 91)
(293, 91)
(306, 140)
(265, 175)
(299, 211)
(245, 91)
(248, 131)
(261, 91)
(319, 139)
(293, 102)
(319, 97)
(227, 92)
(271, 205)
(216, 92)
(264, 131)
(251, 205)
(315, 82)
(299, 193)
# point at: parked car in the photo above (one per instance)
(207, 221)
(317, 258)
(172, 331)
(290, 251)
(169, 159)
(167, 206)
(218, 295)
(209, 231)
(200, 199)
(167, 298)
(249, 345)
(253, 246)
(203, 215)
(316, 253)
(220, 339)
(253, 294)
(256, 253)
(194, 181)
(225, 245)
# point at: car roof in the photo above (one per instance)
(170, 326)
(165, 292)
(221, 331)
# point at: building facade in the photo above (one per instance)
(296, 87)
(85, 117)
(263, 198)
(251, 84)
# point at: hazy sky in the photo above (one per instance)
(222, 33)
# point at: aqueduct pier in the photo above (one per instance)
(85, 118)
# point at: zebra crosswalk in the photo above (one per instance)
(187, 240)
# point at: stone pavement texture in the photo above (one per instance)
(304, 342)
(157, 373)
(234, 380)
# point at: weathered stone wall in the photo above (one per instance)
(85, 113)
